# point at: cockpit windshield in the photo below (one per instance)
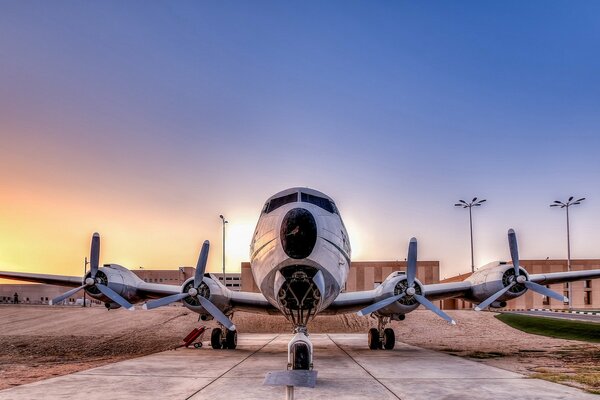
(322, 202)
(280, 201)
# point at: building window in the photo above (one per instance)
(566, 285)
(587, 284)
(587, 298)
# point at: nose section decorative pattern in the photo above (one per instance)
(298, 233)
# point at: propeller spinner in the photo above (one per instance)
(410, 290)
(194, 292)
(518, 278)
(91, 281)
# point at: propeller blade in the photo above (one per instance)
(114, 296)
(319, 281)
(545, 291)
(95, 254)
(380, 304)
(484, 304)
(215, 312)
(411, 262)
(65, 295)
(514, 250)
(201, 265)
(164, 301)
(432, 307)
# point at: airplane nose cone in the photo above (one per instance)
(298, 233)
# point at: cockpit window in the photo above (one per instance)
(322, 202)
(280, 201)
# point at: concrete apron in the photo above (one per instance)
(347, 369)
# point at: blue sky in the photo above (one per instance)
(146, 120)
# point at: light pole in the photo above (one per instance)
(473, 203)
(566, 206)
(224, 222)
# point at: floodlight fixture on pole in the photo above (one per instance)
(224, 222)
(570, 202)
(470, 205)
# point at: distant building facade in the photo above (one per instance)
(364, 275)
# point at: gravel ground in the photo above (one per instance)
(38, 342)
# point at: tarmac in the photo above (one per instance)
(347, 369)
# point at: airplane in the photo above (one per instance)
(300, 257)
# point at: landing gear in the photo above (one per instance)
(374, 342)
(230, 340)
(381, 337)
(389, 339)
(223, 339)
(300, 351)
(215, 338)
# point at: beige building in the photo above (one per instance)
(364, 275)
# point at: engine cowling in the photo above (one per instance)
(118, 278)
(492, 278)
(396, 283)
(209, 289)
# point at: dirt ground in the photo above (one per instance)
(38, 342)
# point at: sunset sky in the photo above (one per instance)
(146, 120)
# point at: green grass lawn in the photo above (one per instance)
(553, 327)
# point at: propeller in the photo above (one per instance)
(91, 281)
(194, 292)
(410, 291)
(518, 278)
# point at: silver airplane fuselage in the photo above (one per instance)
(300, 253)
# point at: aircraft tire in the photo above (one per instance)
(230, 340)
(215, 338)
(389, 339)
(374, 339)
(301, 357)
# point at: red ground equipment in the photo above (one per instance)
(196, 334)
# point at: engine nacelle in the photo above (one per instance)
(395, 284)
(493, 278)
(209, 289)
(119, 279)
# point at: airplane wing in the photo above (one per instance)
(559, 277)
(251, 302)
(353, 301)
(60, 280)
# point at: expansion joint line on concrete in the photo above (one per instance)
(241, 361)
(364, 369)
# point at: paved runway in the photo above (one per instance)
(560, 315)
(347, 370)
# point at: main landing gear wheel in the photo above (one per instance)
(389, 339)
(374, 342)
(230, 340)
(215, 338)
